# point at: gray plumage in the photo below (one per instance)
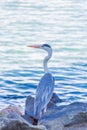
(45, 88)
(44, 93)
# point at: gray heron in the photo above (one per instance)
(45, 87)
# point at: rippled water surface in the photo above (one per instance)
(62, 24)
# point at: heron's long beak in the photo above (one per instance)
(35, 46)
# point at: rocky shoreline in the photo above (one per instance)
(64, 117)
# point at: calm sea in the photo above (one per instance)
(60, 23)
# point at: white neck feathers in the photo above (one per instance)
(46, 60)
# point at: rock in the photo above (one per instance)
(10, 119)
(29, 106)
(11, 109)
(64, 117)
(55, 98)
(57, 117)
(82, 126)
(70, 117)
(15, 125)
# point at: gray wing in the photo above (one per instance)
(43, 93)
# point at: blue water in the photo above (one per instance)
(62, 24)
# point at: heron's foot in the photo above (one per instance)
(34, 120)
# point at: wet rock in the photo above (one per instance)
(82, 126)
(29, 106)
(70, 117)
(10, 119)
(57, 117)
(64, 117)
(55, 98)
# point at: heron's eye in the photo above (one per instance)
(46, 45)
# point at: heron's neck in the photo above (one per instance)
(46, 61)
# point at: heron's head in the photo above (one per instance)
(45, 47)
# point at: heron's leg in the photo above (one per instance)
(45, 109)
(40, 114)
